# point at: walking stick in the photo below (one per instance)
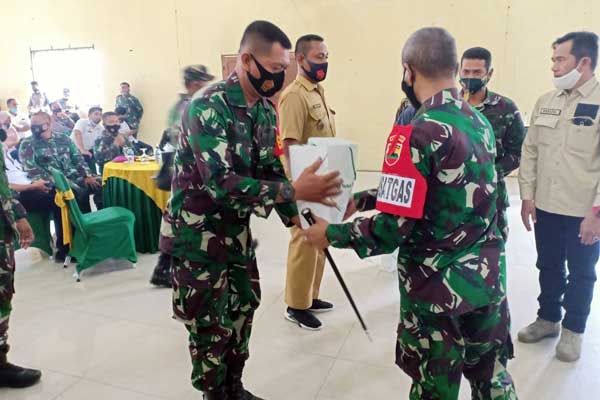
(307, 214)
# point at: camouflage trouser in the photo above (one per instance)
(435, 351)
(7, 274)
(216, 301)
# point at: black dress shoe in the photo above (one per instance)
(13, 376)
(235, 389)
(161, 276)
(217, 394)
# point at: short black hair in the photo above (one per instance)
(478, 53)
(121, 110)
(303, 43)
(109, 114)
(432, 52)
(125, 83)
(260, 36)
(10, 101)
(585, 44)
(94, 109)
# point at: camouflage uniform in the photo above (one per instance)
(225, 170)
(451, 264)
(105, 148)
(134, 109)
(38, 156)
(509, 130)
(12, 211)
(171, 134)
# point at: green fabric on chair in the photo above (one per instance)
(99, 235)
(40, 224)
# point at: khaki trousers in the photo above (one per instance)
(305, 266)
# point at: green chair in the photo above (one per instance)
(99, 235)
(40, 224)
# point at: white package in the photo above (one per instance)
(338, 155)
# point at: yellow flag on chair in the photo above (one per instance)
(60, 199)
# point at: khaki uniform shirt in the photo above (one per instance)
(304, 113)
(560, 162)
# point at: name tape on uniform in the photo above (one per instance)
(550, 111)
(396, 190)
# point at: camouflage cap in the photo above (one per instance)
(197, 73)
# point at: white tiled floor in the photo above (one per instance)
(111, 337)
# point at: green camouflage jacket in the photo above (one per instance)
(12, 210)
(451, 261)
(135, 111)
(105, 149)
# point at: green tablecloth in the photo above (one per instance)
(119, 192)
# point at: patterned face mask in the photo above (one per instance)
(269, 83)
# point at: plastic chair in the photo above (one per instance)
(99, 235)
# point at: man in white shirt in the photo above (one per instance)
(125, 129)
(20, 121)
(85, 133)
(12, 137)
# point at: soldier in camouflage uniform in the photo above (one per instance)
(110, 142)
(12, 222)
(454, 318)
(225, 171)
(195, 77)
(475, 73)
(135, 111)
(44, 150)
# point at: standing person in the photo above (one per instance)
(304, 113)
(38, 101)
(45, 150)
(64, 101)
(85, 133)
(437, 202)
(475, 73)
(225, 171)
(195, 77)
(559, 182)
(12, 223)
(134, 108)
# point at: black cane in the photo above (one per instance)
(307, 214)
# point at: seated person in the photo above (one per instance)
(12, 137)
(110, 143)
(36, 196)
(124, 129)
(44, 150)
(61, 123)
(85, 133)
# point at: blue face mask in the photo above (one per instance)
(13, 110)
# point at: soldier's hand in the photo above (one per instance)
(316, 235)
(317, 188)
(120, 140)
(92, 182)
(528, 213)
(589, 230)
(25, 233)
(41, 185)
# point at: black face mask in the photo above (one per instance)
(37, 130)
(409, 91)
(2, 135)
(269, 83)
(55, 111)
(114, 129)
(317, 72)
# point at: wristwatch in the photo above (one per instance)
(287, 192)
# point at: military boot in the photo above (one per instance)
(235, 388)
(13, 376)
(219, 393)
(162, 272)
